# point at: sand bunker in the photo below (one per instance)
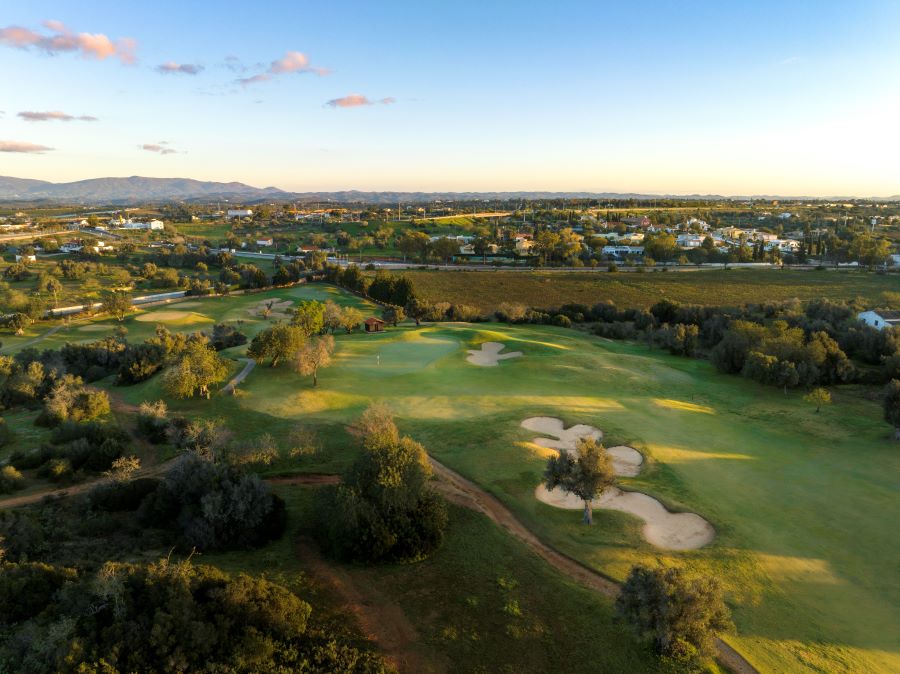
(664, 529)
(626, 460)
(95, 328)
(277, 308)
(566, 438)
(162, 316)
(489, 355)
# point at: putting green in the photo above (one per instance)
(802, 503)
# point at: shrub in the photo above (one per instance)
(679, 615)
(121, 496)
(152, 421)
(561, 321)
(6, 434)
(383, 510)
(10, 480)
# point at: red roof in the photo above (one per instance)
(372, 320)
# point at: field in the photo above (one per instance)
(802, 503)
(487, 289)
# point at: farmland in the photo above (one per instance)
(488, 289)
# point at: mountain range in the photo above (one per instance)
(138, 189)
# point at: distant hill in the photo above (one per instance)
(128, 190)
(137, 189)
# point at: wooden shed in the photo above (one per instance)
(374, 324)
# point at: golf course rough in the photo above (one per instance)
(664, 529)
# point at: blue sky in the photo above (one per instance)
(767, 97)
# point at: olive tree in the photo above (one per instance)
(585, 473)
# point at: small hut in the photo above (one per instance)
(374, 324)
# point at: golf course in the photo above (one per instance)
(801, 505)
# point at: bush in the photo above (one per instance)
(561, 321)
(152, 421)
(116, 496)
(383, 510)
(10, 480)
(213, 506)
(680, 616)
(201, 620)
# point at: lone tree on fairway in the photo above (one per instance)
(585, 473)
(680, 615)
(333, 316)
(818, 397)
(117, 303)
(314, 354)
(279, 341)
(892, 406)
(198, 368)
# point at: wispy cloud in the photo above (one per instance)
(158, 148)
(54, 115)
(173, 68)
(19, 146)
(358, 100)
(291, 62)
(61, 40)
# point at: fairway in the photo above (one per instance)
(803, 505)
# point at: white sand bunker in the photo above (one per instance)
(162, 316)
(626, 460)
(489, 355)
(96, 327)
(664, 529)
(276, 307)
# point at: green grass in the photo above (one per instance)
(486, 290)
(199, 313)
(803, 504)
(510, 613)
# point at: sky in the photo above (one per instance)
(790, 98)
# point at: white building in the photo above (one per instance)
(240, 213)
(622, 251)
(153, 224)
(265, 242)
(880, 319)
(26, 258)
(689, 240)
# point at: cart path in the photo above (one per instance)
(249, 364)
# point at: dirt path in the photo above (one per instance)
(36, 497)
(249, 364)
(52, 331)
(380, 618)
(461, 491)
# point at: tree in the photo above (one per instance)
(891, 403)
(117, 303)
(309, 316)
(444, 248)
(314, 354)
(383, 510)
(279, 341)
(333, 316)
(681, 616)
(352, 318)
(585, 473)
(818, 397)
(413, 244)
(123, 468)
(393, 315)
(198, 368)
